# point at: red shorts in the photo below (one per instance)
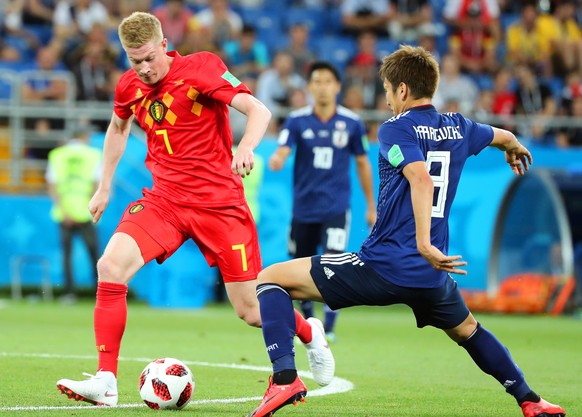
(226, 236)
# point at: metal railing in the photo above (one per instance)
(14, 112)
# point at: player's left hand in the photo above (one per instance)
(243, 161)
(443, 262)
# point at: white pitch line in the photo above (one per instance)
(337, 385)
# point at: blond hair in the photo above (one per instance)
(413, 66)
(139, 28)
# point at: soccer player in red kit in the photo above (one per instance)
(181, 103)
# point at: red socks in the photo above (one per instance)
(109, 323)
(302, 328)
(111, 316)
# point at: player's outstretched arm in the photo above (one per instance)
(113, 148)
(258, 118)
(516, 155)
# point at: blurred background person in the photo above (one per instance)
(13, 27)
(274, 85)
(365, 15)
(246, 56)
(504, 97)
(484, 107)
(455, 87)
(174, 16)
(567, 44)
(8, 53)
(94, 64)
(571, 90)
(50, 85)
(409, 19)
(362, 69)
(475, 43)
(325, 137)
(536, 100)
(223, 22)
(72, 20)
(528, 40)
(571, 136)
(427, 39)
(353, 99)
(38, 12)
(461, 14)
(199, 38)
(298, 47)
(118, 9)
(72, 176)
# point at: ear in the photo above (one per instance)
(403, 90)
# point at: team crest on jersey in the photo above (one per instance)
(157, 111)
(136, 208)
(340, 138)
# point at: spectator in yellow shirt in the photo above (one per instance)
(567, 45)
(529, 40)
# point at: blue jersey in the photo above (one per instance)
(321, 175)
(443, 142)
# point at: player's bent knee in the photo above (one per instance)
(263, 276)
(464, 330)
(268, 275)
(108, 271)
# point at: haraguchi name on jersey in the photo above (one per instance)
(444, 133)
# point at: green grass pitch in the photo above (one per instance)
(396, 369)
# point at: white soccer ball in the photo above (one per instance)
(166, 383)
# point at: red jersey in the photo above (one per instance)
(189, 140)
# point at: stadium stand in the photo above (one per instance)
(272, 20)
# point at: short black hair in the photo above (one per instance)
(248, 29)
(319, 65)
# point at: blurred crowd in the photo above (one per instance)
(499, 58)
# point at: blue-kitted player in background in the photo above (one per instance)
(326, 136)
(404, 260)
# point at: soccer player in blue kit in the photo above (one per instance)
(404, 260)
(325, 136)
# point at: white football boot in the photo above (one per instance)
(321, 361)
(99, 389)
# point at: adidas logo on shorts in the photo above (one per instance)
(328, 272)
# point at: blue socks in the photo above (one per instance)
(278, 317)
(306, 308)
(329, 319)
(494, 359)
(329, 315)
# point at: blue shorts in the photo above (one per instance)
(331, 235)
(345, 281)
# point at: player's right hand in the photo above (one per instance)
(276, 162)
(98, 204)
(243, 161)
